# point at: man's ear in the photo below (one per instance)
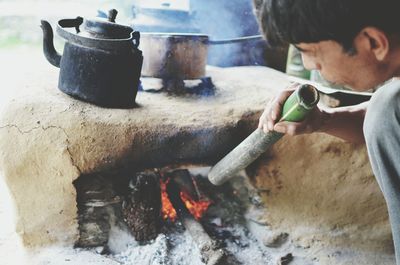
(376, 41)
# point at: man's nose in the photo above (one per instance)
(309, 63)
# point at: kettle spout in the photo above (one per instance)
(48, 47)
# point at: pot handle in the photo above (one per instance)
(71, 23)
(236, 40)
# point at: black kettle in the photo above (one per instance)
(101, 63)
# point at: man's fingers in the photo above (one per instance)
(265, 128)
(274, 108)
(263, 120)
(279, 101)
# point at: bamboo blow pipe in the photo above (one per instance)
(296, 108)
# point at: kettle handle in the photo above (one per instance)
(71, 23)
(87, 41)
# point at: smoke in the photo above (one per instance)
(119, 238)
(225, 19)
(219, 19)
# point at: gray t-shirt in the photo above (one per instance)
(382, 131)
(382, 135)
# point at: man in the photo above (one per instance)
(355, 43)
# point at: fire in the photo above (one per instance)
(196, 208)
(168, 211)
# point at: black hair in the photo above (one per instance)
(309, 21)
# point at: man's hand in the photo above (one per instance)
(269, 120)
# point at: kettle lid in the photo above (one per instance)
(106, 28)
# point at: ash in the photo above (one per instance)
(178, 248)
(246, 248)
(175, 248)
(224, 222)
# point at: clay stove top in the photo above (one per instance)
(198, 128)
(63, 138)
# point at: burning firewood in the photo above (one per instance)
(194, 200)
(212, 253)
(185, 182)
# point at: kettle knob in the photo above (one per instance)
(112, 14)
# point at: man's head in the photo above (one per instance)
(352, 42)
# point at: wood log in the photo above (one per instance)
(185, 182)
(97, 202)
(141, 207)
(211, 252)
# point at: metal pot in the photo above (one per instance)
(179, 55)
(101, 63)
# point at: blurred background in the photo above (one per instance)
(21, 36)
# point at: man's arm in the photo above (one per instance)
(343, 122)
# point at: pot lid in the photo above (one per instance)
(106, 28)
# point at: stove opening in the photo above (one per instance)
(169, 216)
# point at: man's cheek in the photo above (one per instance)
(331, 78)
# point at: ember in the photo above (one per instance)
(196, 208)
(168, 211)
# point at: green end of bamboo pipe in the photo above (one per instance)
(295, 109)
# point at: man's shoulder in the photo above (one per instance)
(386, 97)
(383, 112)
(389, 91)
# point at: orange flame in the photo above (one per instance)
(196, 208)
(168, 211)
